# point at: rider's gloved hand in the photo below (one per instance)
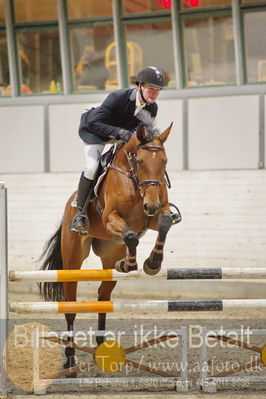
(124, 135)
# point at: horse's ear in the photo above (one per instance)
(163, 136)
(141, 132)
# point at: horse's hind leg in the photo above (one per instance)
(109, 253)
(74, 250)
(70, 290)
(104, 294)
(152, 264)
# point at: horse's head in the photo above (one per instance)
(148, 160)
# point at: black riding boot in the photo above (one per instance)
(80, 223)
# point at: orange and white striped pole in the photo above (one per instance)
(113, 275)
(138, 306)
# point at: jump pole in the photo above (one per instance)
(113, 275)
(138, 306)
(3, 284)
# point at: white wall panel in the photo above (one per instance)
(66, 152)
(224, 132)
(66, 147)
(22, 139)
(264, 130)
(171, 111)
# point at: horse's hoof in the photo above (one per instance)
(69, 365)
(119, 266)
(71, 375)
(122, 266)
(149, 270)
(99, 340)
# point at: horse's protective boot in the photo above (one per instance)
(80, 223)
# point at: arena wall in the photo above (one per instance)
(224, 225)
(224, 132)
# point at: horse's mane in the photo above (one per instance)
(148, 122)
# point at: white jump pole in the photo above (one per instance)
(3, 284)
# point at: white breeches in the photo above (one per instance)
(93, 153)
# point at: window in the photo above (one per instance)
(91, 35)
(89, 8)
(206, 41)
(141, 39)
(148, 38)
(193, 4)
(209, 51)
(2, 12)
(91, 67)
(39, 61)
(35, 10)
(253, 1)
(38, 50)
(255, 34)
(5, 88)
(140, 7)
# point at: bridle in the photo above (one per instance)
(132, 159)
(132, 174)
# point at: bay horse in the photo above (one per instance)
(134, 198)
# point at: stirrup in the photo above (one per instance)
(80, 224)
(175, 214)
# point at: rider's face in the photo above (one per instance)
(150, 93)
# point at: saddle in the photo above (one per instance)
(105, 161)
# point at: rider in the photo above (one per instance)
(115, 119)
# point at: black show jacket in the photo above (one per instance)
(103, 123)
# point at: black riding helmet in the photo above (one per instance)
(151, 76)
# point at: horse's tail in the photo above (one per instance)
(52, 291)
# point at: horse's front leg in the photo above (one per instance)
(152, 264)
(74, 250)
(118, 228)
